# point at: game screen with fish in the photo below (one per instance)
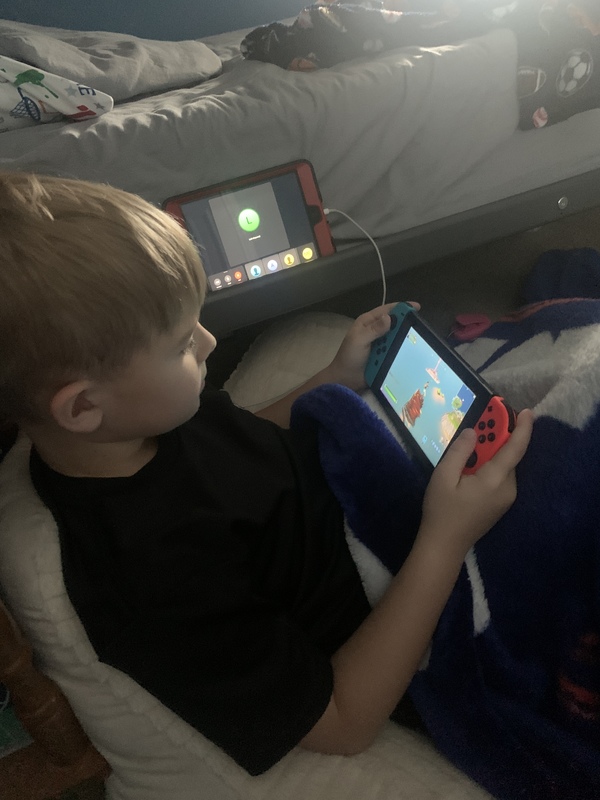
(427, 395)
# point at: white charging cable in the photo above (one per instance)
(327, 211)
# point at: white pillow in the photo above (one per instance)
(154, 755)
(123, 66)
(284, 356)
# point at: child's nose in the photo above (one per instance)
(206, 343)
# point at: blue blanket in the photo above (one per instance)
(511, 689)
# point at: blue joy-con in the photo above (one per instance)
(380, 346)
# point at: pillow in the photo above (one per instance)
(29, 96)
(284, 356)
(123, 66)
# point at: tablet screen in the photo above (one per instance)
(247, 233)
(427, 396)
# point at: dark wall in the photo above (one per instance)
(151, 19)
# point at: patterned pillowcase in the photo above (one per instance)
(29, 96)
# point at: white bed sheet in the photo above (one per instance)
(403, 139)
(527, 160)
(387, 136)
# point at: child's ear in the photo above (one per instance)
(72, 408)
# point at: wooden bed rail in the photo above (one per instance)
(61, 755)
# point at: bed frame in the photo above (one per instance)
(355, 266)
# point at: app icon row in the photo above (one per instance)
(264, 266)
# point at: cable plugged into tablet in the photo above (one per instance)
(328, 211)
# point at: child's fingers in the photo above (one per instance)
(457, 455)
(389, 306)
(511, 453)
(376, 322)
(505, 460)
(372, 324)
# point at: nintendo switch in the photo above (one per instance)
(430, 393)
(254, 226)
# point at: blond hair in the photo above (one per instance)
(88, 275)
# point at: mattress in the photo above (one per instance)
(390, 136)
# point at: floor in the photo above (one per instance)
(486, 279)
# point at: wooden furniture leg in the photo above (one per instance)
(61, 755)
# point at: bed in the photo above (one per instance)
(420, 146)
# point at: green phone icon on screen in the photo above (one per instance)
(248, 220)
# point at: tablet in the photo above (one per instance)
(254, 226)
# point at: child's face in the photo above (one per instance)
(160, 387)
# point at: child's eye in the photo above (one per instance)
(191, 345)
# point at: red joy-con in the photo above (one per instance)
(493, 430)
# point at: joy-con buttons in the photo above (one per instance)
(495, 425)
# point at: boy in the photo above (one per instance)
(201, 546)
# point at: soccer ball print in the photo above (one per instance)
(574, 73)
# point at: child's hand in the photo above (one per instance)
(348, 366)
(459, 509)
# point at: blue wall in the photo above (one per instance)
(152, 19)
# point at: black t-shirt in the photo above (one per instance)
(217, 577)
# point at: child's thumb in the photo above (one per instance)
(457, 455)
